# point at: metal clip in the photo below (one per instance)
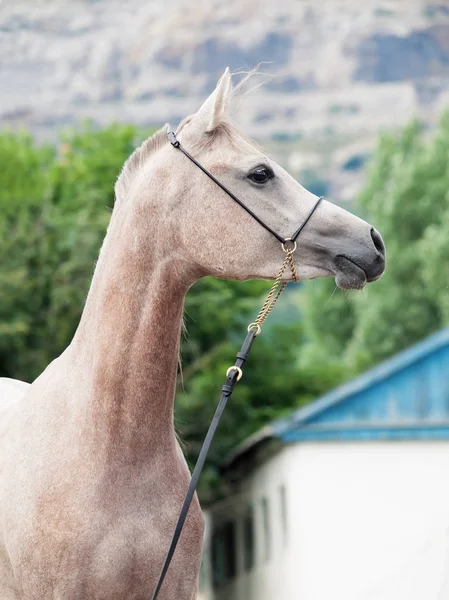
(172, 139)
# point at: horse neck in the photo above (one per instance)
(127, 344)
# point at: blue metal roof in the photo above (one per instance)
(405, 397)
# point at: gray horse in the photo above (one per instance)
(91, 475)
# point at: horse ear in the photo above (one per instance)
(213, 111)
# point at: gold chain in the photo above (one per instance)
(277, 288)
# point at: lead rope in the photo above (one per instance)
(233, 375)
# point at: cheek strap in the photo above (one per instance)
(177, 144)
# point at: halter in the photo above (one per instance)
(177, 144)
(234, 373)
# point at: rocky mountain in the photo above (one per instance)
(339, 70)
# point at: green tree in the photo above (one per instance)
(24, 205)
(54, 209)
(406, 197)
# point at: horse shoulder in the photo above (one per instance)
(12, 389)
(11, 392)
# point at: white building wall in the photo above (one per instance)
(366, 521)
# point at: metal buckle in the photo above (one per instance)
(238, 369)
(172, 139)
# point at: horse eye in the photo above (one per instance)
(261, 174)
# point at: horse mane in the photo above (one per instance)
(137, 159)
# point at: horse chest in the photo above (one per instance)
(108, 542)
(126, 561)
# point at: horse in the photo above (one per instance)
(92, 476)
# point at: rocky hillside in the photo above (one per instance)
(340, 70)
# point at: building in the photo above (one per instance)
(346, 499)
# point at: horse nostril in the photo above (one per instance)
(378, 241)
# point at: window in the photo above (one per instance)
(224, 553)
(248, 539)
(266, 528)
(284, 517)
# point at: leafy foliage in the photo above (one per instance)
(406, 197)
(54, 212)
